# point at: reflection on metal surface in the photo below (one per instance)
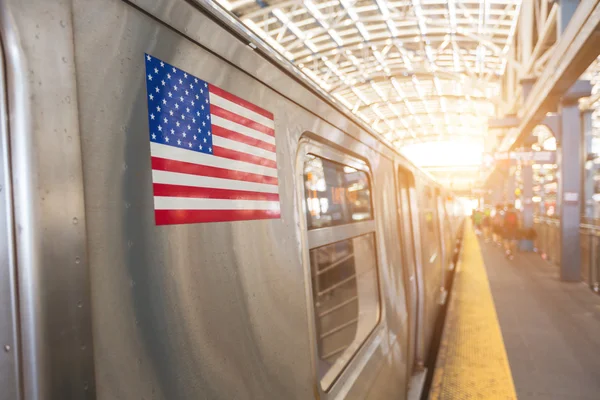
(10, 379)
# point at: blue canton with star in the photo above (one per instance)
(178, 107)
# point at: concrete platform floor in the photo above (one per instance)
(551, 329)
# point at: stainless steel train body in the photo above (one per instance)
(96, 301)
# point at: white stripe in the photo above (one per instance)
(243, 147)
(177, 154)
(185, 203)
(240, 110)
(178, 178)
(234, 126)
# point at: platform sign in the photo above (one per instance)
(536, 157)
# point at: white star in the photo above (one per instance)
(191, 86)
(177, 123)
(182, 116)
(189, 127)
(187, 109)
(160, 128)
(180, 82)
(178, 141)
(181, 98)
(151, 97)
(190, 144)
(202, 106)
(204, 140)
(149, 77)
(199, 130)
(156, 89)
(208, 133)
(200, 147)
(201, 91)
(195, 137)
(158, 108)
(208, 117)
(168, 76)
(165, 120)
(187, 93)
(170, 94)
(195, 80)
(194, 120)
(193, 102)
(174, 70)
(164, 101)
(205, 85)
(147, 57)
(151, 116)
(198, 113)
(177, 106)
(175, 87)
(162, 83)
(156, 70)
(203, 123)
(184, 134)
(197, 97)
(153, 136)
(162, 64)
(171, 112)
(172, 131)
(184, 75)
(167, 139)
(206, 101)
(210, 149)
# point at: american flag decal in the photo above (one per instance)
(213, 154)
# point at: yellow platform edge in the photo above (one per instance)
(472, 361)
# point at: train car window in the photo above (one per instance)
(336, 194)
(342, 256)
(341, 271)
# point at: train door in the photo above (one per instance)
(442, 227)
(412, 276)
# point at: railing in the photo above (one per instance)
(547, 241)
(548, 245)
(590, 254)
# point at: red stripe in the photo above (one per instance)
(162, 189)
(173, 217)
(240, 137)
(164, 164)
(240, 102)
(241, 156)
(238, 119)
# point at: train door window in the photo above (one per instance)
(342, 255)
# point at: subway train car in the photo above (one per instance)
(184, 216)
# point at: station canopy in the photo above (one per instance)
(417, 71)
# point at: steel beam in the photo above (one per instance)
(575, 51)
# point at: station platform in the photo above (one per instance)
(514, 330)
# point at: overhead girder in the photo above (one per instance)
(395, 63)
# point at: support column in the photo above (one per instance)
(510, 186)
(527, 176)
(590, 166)
(570, 164)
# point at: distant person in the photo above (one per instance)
(477, 219)
(486, 224)
(497, 224)
(511, 231)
